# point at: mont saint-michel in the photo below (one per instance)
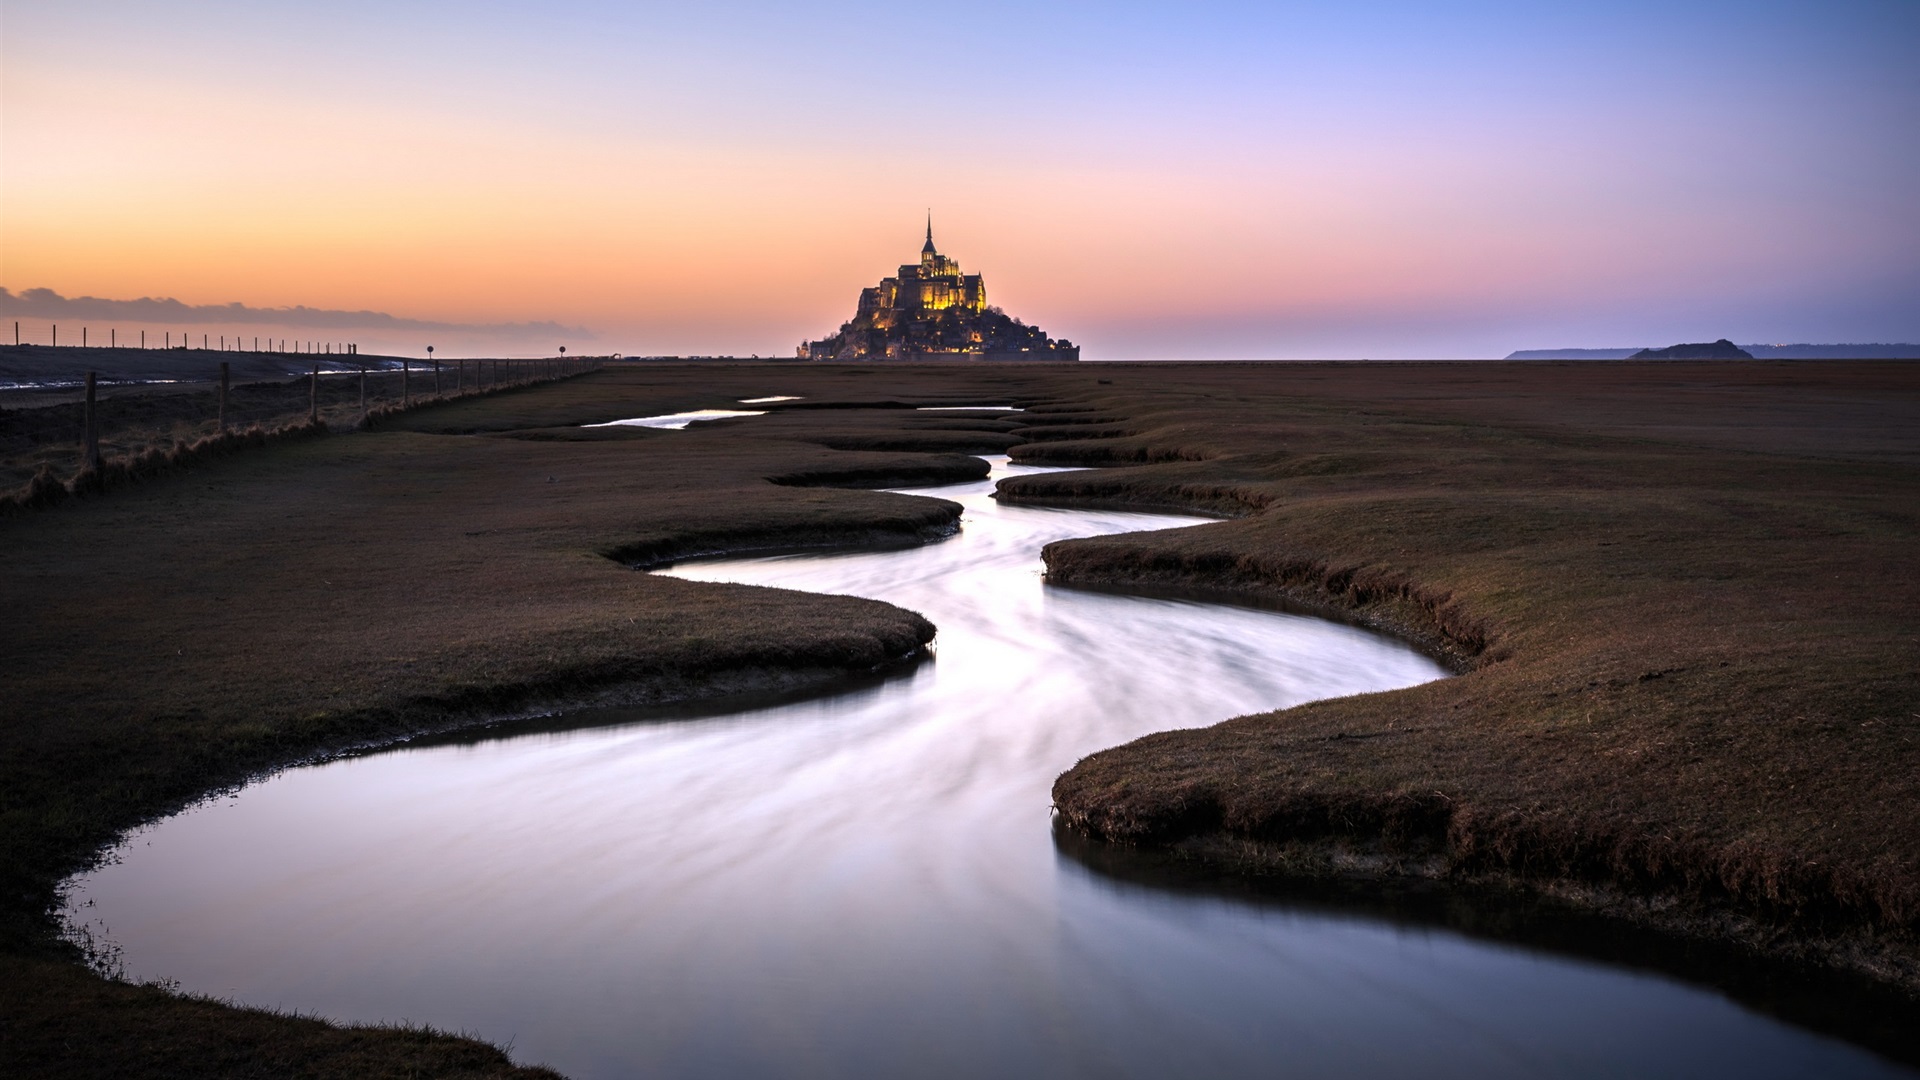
(933, 309)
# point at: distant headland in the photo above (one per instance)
(1875, 351)
(932, 310)
(1696, 350)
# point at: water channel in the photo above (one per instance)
(866, 884)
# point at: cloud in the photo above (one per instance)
(47, 304)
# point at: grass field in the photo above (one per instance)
(1682, 597)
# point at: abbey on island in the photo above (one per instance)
(932, 310)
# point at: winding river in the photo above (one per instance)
(866, 884)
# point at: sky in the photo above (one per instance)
(1179, 180)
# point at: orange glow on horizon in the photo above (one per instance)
(664, 233)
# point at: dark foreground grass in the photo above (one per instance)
(62, 1020)
(1682, 595)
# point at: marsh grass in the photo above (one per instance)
(147, 434)
(1691, 665)
(1683, 598)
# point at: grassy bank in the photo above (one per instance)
(1682, 597)
(311, 596)
(145, 431)
(1692, 679)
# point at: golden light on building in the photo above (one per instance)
(933, 308)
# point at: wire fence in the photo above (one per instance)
(74, 436)
(138, 338)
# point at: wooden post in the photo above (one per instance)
(224, 375)
(93, 425)
(436, 378)
(406, 381)
(313, 395)
(363, 388)
(459, 376)
(56, 335)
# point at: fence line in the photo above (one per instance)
(296, 348)
(172, 426)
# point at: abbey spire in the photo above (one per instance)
(933, 309)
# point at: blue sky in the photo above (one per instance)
(1148, 179)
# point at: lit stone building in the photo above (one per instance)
(932, 309)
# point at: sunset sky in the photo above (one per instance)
(1150, 180)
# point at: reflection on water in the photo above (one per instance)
(678, 421)
(866, 884)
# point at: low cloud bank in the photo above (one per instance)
(47, 304)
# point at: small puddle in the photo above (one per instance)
(678, 421)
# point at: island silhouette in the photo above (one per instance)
(930, 310)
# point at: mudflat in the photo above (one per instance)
(1682, 597)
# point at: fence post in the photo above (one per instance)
(313, 396)
(56, 335)
(224, 374)
(93, 425)
(436, 378)
(363, 388)
(406, 381)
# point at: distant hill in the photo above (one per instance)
(1759, 352)
(1573, 354)
(1696, 350)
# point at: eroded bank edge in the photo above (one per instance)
(557, 690)
(1388, 839)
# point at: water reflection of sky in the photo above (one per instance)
(678, 421)
(866, 884)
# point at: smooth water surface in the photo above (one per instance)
(866, 884)
(678, 421)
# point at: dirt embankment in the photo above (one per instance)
(1692, 669)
